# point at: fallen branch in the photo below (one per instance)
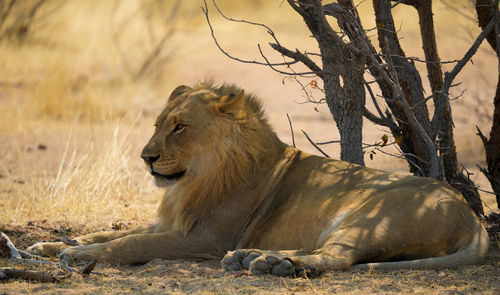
(28, 255)
(87, 269)
(7, 273)
(15, 256)
(9, 251)
(7, 248)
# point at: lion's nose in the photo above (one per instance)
(150, 159)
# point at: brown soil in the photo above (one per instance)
(180, 276)
(33, 137)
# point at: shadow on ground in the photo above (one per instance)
(178, 276)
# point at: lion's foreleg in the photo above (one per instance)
(140, 248)
(52, 248)
(105, 236)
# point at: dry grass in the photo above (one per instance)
(74, 120)
(95, 183)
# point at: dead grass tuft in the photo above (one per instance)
(94, 184)
(70, 75)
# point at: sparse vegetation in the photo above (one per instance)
(65, 94)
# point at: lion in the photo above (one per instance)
(235, 191)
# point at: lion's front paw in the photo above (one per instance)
(46, 248)
(90, 252)
(258, 262)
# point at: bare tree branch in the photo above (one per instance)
(291, 129)
(298, 56)
(269, 30)
(450, 76)
(205, 11)
(384, 119)
(315, 145)
(269, 64)
(330, 31)
(435, 169)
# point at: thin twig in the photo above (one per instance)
(443, 101)
(317, 147)
(483, 138)
(328, 142)
(416, 59)
(205, 12)
(375, 102)
(450, 76)
(298, 56)
(422, 102)
(269, 64)
(269, 30)
(404, 156)
(291, 129)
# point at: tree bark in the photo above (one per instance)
(443, 126)
(486, 9)
(411, 84)
(342, 77)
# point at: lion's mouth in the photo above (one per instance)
(170, 177)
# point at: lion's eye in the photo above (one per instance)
(178, 128)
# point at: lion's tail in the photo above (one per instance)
(470, 254)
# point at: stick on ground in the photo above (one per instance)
(7, 273)
(7, 248)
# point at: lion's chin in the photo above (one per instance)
(167, 180)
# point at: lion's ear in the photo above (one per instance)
(178, 92)
(232, 103)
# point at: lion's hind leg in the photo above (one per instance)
(284, 263)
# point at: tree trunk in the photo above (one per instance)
(345, 101)
(411, 84)
(443, 124)
(485, 11)
(343, 82)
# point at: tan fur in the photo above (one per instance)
(232, 184)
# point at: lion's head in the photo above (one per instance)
(199, 129)
(207, 140)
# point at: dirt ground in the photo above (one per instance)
(206, 277)
(73, 122)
